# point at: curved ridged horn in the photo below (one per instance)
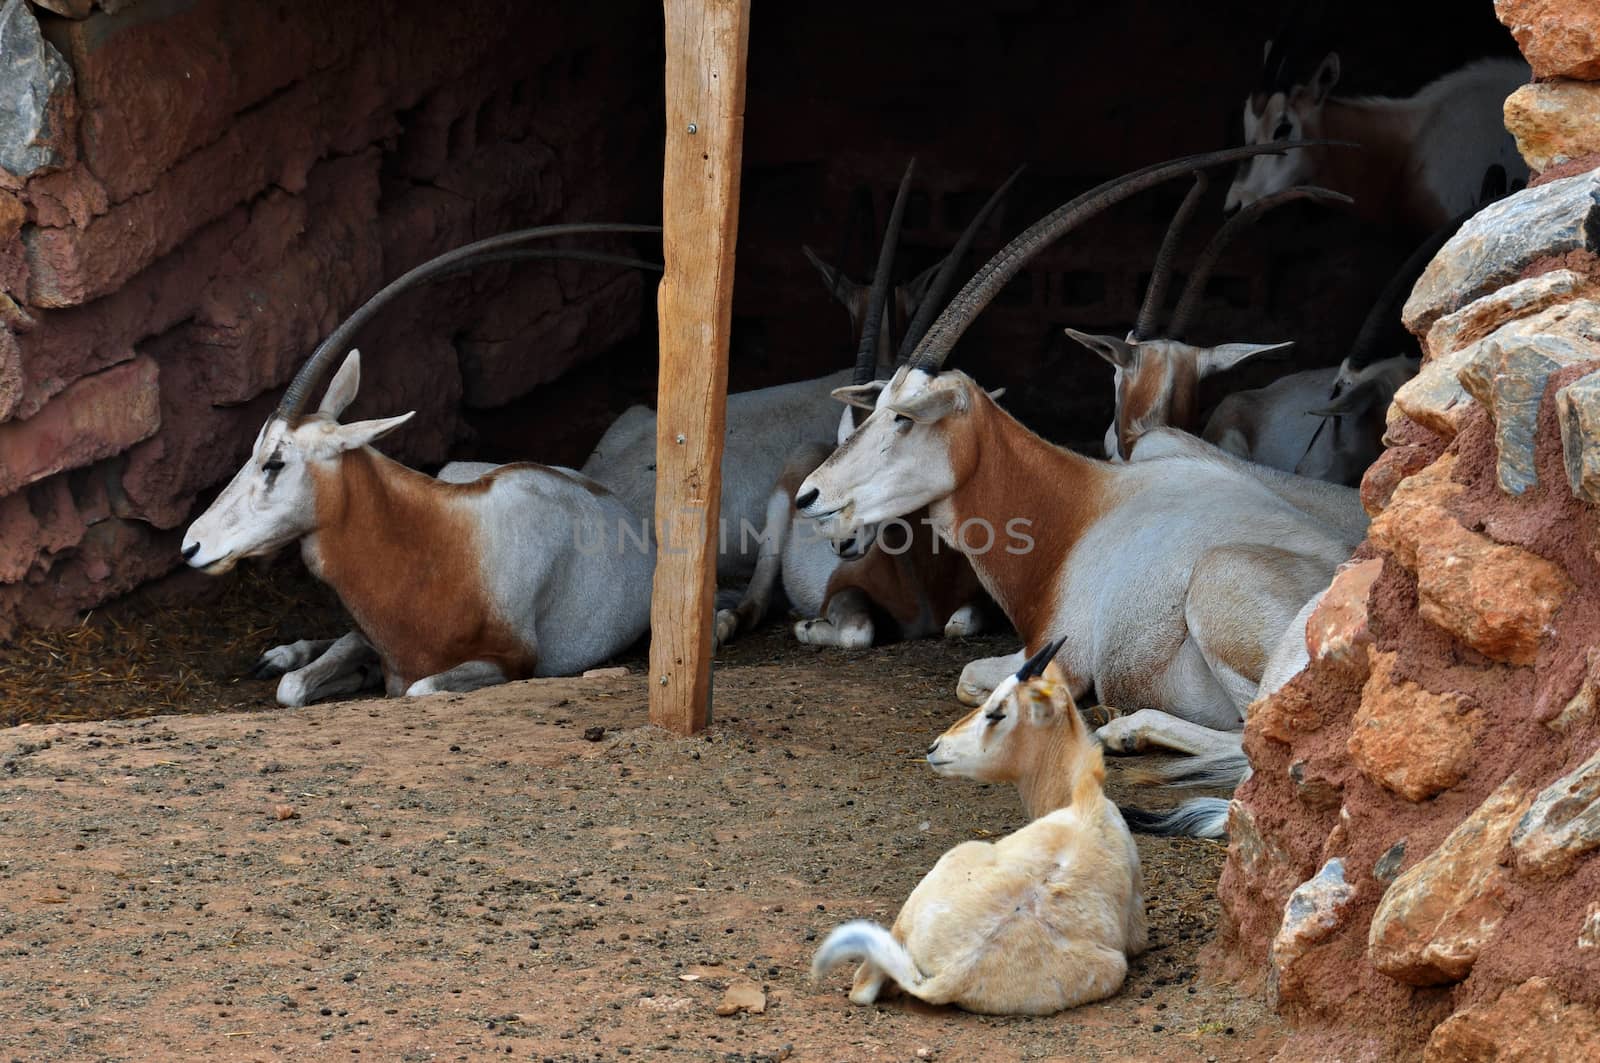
(299, 391)
(1034, 666)
(932, 301)
(878, 294)
(1155, 292)
(1384, 316)
(1194, 290)
(980, 291)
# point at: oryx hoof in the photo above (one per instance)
(962, 623)
(726, 627)
(287, 658)
(293, 691)
(1122, 735)
(1096, 716)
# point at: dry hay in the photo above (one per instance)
(181, 646)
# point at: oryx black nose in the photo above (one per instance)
(932, 747)
(190, 551)
(804, 500)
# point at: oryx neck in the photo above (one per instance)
(1013, 487)
(1047, 785)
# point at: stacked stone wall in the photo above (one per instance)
(202, 189)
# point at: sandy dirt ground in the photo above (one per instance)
(533, 872)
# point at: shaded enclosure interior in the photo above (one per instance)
(193, 239)
(841, 96)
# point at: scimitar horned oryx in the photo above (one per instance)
(522, 570)
(1171, 580)
(1426, 157)
(876, 584)
(1156, 374)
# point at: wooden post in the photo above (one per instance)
(706, 44)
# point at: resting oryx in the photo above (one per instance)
(522, 570)
(1329, 423)
(1155, 374)
(1425, 158)
(876, 584)
(1039, 921)
(1171, 579)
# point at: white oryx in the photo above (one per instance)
(876, 584)
(1425, 158)
(1155, 374)
(507, 572)
(1326, 424)
(1171, 579)
(1042, 920)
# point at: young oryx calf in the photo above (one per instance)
(1039, 921)
(521, 571)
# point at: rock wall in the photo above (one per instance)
(1412, 863)
(192, 192)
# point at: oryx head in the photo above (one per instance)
(271, 501)
(1156, 376)
(1350, 437)
(1287, 105)
(926, 294)
(1000, 740)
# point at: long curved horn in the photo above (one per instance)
(933, 300)
(980, 291)
(1194, 290)
(1156, 292)
(1371, 342)
(298, 393)
(878, 294)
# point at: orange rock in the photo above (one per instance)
(1436, 917)
(1560, 38)
(1336, 631)
(1409, 740)
(1497, 599)
(1530, 1023)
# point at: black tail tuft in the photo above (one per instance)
(1202, 817)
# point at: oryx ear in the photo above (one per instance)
(342, 390)
(930, 406)
(1118, 352)
(861, 396)
(358, 434)
(1358, 399)
(1266, 51)
(1225, 356)
(996, 393)
(1326, 77)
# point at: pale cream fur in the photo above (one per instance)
(1039, 921)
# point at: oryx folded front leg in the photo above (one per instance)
(472, 675)
(752, 607)
(288, 657)
(1152, 728)
(847, 623)
(347, 665)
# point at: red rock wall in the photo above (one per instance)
(230, 179)
(1412, 866)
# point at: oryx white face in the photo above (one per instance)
(1292, 115)
(991, 743)
(271, 501)
(896, 461)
